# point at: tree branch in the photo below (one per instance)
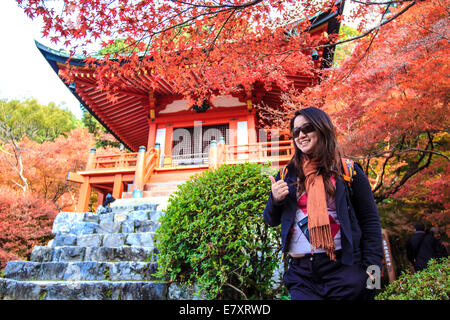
(238, 290)
(230, 6)
(368, 31)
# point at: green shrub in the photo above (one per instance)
(213, 234)
(432, 283)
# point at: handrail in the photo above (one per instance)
(121, 160)
(260, 151)
(151, 162)
(280, 142)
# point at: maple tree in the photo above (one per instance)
(202, 48)
(25, 221)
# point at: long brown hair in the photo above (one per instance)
(326, 152)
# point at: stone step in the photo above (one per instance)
(141, 239)
(127, 200)
(157, 193)
(91, 223)
(135, 204)
(104, 238)
(83, 290)
(80, 271)
(99, 254)
(172, 185)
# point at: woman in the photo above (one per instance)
(330, 241)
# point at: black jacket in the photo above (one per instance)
(413, 245)
(431, 248)
(360, 228)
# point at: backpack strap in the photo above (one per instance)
(349, 170)
(284, 172)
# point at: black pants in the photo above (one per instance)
(316, 277)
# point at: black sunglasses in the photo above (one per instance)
(306, 128)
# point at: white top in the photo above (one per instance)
(299, 243)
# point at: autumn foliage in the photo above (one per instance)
(201, 48)
(46, 166)
(26, 221)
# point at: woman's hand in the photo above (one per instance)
(279, 189)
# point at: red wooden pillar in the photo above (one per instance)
(233, 140)
(85, 189)
(151, 134)
(91, 160)
(84, 196)
(168, 146)
(158, 154)
(139, 174)
(118, 186)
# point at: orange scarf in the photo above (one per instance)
(316, 205)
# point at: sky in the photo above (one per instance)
(24, 73)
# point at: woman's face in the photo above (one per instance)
(305, 142)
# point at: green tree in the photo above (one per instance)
(344, 51)
(35, 121)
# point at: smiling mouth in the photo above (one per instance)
(304, 142)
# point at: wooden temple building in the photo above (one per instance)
(169, 141)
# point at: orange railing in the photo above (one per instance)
(277, 152)
(151, 162)
(140, 164)
(258, 152)
(123, 160)
(126, 161)
(146, 162)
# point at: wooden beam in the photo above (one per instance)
(103, 188)
(102, 179)
(75, 177)
(115, 109)
(133, 110)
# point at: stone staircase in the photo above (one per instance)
(110, 256)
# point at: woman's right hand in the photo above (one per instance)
(279, 189)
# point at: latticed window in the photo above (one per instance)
(190, 145)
